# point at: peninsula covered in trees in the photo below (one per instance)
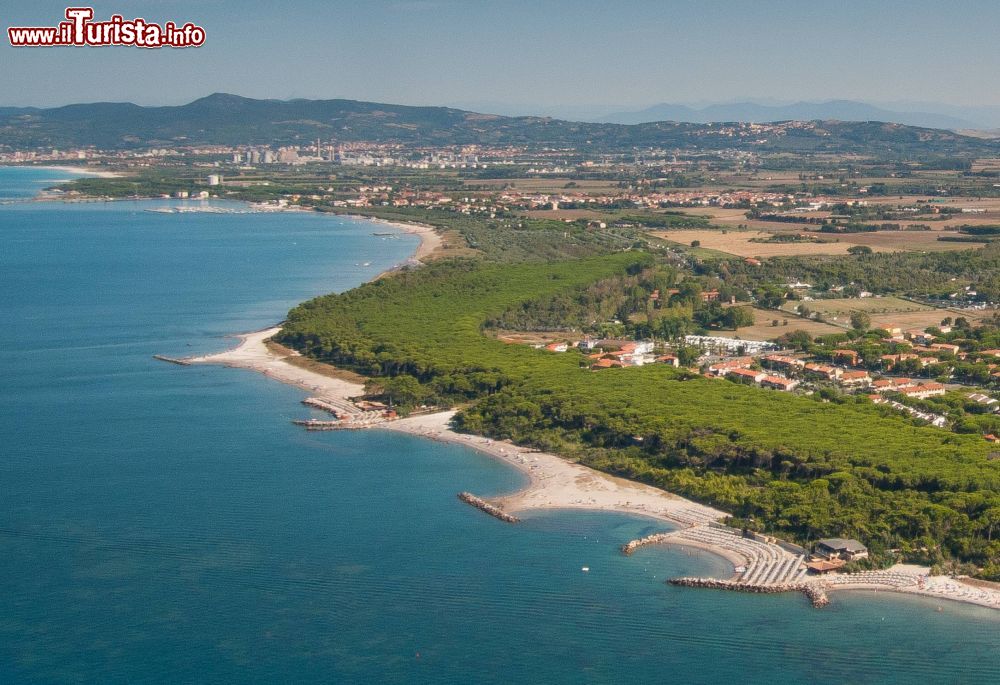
(799, 466)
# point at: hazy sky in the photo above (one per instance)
(537, 52)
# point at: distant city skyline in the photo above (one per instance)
(547, 55)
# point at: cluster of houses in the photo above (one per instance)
(852, 379)
(739, 369)
(779, 370)
(784, 371)
(923, 348)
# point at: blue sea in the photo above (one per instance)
(168, 524)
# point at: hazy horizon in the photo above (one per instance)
(556, 54)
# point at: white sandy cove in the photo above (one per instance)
(556, 483)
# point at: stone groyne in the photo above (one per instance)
(485, 506)
(814, 592)
(171, 360)
(324, 405)
(317, 425)
(654, 539)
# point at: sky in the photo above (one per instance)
(515, 54)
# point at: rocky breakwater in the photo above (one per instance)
(814, 592)
(654, 539)
(483, 505)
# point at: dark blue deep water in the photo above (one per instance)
(168, 524)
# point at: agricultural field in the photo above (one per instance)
(738, 243)
(919, 320)
(886, 312)
(763, 328)
(908, 241)
(872, 305)
(882, 310)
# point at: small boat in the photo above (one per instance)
(585, 569)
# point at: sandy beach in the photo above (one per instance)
(430, 239)
(557, 483)
(81, 170)
(252, 354)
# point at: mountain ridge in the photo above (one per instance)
(749, 111)
(227, 119)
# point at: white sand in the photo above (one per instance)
(82, 170)
(253, 354)
(557, 483)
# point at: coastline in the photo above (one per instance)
(554, 483)
(558, 483)
(78, 170)
(430, 239)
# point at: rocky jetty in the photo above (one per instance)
(654, 539)
(485, 506)
(814, 592)
(171, 360)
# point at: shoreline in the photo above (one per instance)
(558, 483)
(76, 170)
(554, 483)
(430, 240)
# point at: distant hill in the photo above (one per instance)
(233, 120)
(841, 110)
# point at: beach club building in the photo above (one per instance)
(844, 549)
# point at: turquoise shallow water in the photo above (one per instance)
(168, 524)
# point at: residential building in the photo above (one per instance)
(779, 383)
